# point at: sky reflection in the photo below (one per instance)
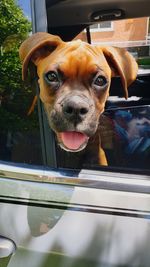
(25, 5)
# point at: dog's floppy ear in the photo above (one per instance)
(36, 46)
(122, 64)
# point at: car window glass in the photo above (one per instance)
(124, 126)
(19, 131)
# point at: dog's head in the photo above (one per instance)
(74, 80)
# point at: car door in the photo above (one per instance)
(51, 212)
(73, 218)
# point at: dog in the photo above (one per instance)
(74, 81)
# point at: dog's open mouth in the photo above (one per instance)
(73, 141)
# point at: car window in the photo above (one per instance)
(124, 126)
(19, 131)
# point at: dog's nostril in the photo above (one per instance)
(68, 110)
(83, 111)
(74, 110)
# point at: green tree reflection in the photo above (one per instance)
(15, 97)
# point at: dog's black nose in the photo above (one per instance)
(75, 109)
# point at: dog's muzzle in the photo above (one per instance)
(73, 119)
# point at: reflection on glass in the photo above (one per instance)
(127, 131)
(19, 133)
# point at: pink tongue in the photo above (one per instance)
(73, 140)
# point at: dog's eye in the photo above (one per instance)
(100, 81)
(52, 77)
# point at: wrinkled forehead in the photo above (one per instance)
(76, 58)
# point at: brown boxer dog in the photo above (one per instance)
(74, 80)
